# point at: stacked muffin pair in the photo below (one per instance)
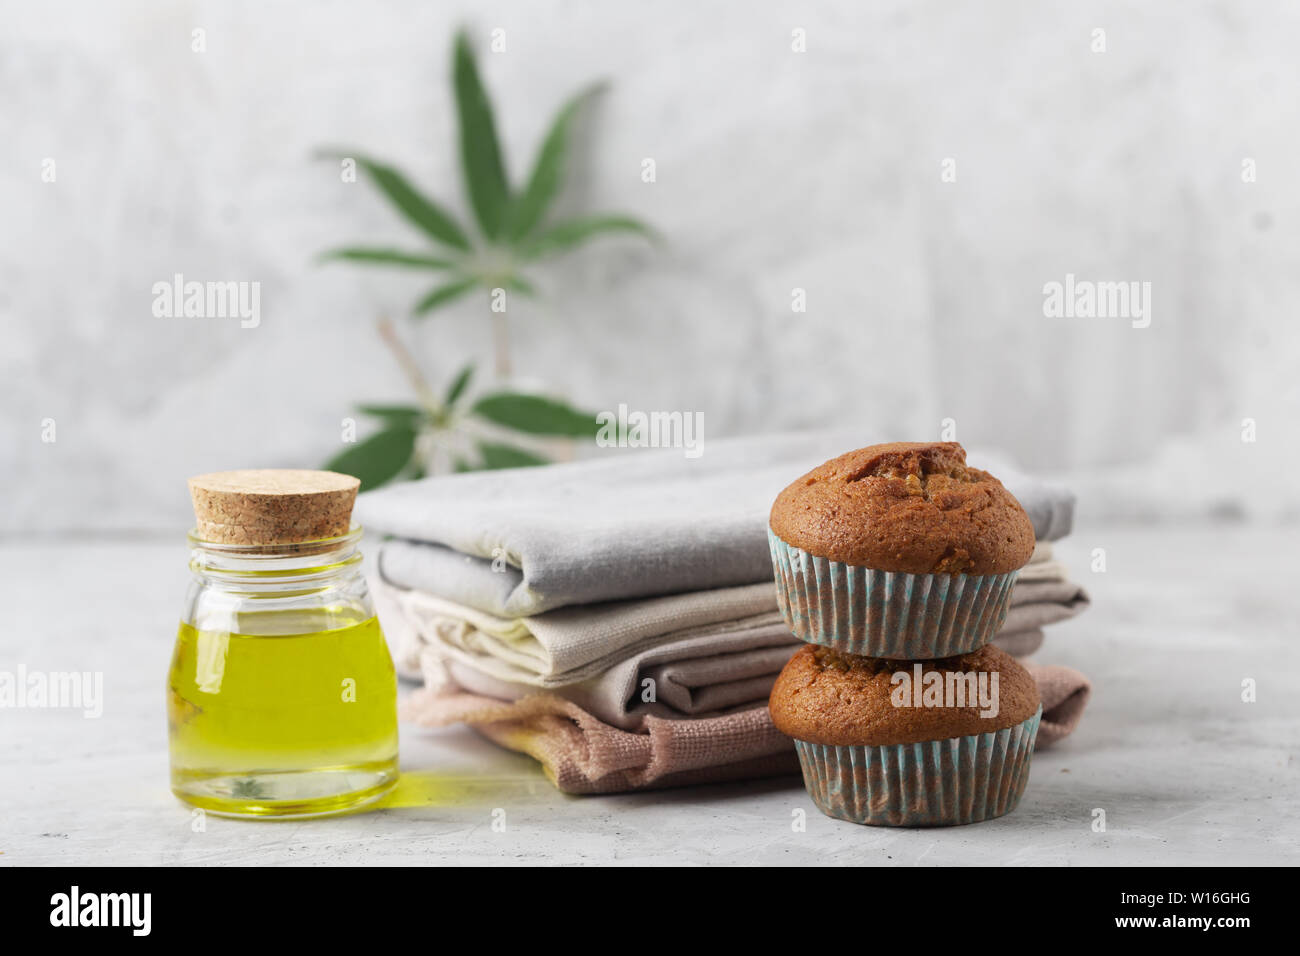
(886, 558)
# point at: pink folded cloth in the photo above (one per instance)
(1065, 694)
(583, 755)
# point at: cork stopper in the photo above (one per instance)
(272, 506)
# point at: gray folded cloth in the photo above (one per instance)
(523, 541)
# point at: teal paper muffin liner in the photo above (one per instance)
(891, 614)
(933, 784)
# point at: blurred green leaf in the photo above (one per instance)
(459, 384)
(378, 459)
(507, 456)
(522, 286)
(480, 153)
(573, 232)
(548, 169)
(444, 294)
(535, 415)
(392, 257)
(409, 416)
(419, 209)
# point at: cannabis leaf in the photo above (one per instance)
(513, 228)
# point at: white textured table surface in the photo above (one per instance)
(1186, 772)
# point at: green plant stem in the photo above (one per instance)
(501, 344)
(411, 368)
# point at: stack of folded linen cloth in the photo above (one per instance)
(617, 619)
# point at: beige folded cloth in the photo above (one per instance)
(575, 644)
(1036, 604)
(581, 754)
(1042, 565)
(671, 687)
(572, 644)
(1020, 643)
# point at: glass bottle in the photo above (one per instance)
(281, 697)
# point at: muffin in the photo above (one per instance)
(898, 551)
(881, 749)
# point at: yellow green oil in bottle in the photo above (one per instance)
(281, 696)
(287, 713)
